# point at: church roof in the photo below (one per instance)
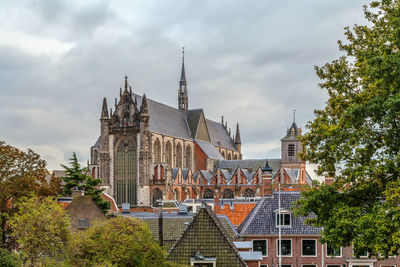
(252, 164)
(209, 149)
(170, 121)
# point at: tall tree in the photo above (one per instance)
(21, 173)
(356, 138)
(41, 227)
(78, 178)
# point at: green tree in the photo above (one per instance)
(21, 173)
(77, 177)
(41, 227)
(356, 138)
(119, 241)
(9, 259)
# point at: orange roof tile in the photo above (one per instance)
(237, 214)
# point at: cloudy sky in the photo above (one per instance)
(251, 61)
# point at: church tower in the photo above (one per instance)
(183, 101)
(291, 147)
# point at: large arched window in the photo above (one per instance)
(178, 160)
(248, 193)
(156, 195)
(188, 157)
(157, 151)
(235, 157)
(229, 156)
(223, 154)
(168, 153)
(228, 193)
(125, 172)
(208, 194)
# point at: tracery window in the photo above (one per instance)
(178, 160)
(168, 153)
(188, 157)
(156, 195)
(157, 151)
(125, 172)
(208, 194)
(228, 193)
(248, 192)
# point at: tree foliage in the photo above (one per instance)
(78, 178)
(41, 227)
(356, 138)
(119, 241)
(21, 173)
(9, 259)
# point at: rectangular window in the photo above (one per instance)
(333, 265)
(285, 219)
(264, 265)
(286, 265)
(286, 246)
(333, 251)
(260, 245)
(291, 150)
(309, 247)
(309, 265)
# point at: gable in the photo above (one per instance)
(205, 235)
(202, 131)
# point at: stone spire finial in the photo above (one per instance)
(104, 110)
(237, 136)
(126, 82)
(144, 109)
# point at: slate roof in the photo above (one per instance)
(289, 136)
(97, 142)
(207, 236)
(174, 172)
(173, 122)
(209, 149)
(219, 135)
(227, 174)
(252, 164)
(261, 221)
(243, 244)
(206, 174)
(175, 224)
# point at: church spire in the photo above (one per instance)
(182, 93)
(237, 136)
(104, 110)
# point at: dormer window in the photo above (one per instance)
(285, 219)
(292, 132)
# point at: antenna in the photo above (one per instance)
(294, 115)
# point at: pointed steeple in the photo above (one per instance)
(237, 136)
(183, 101)
(126, 82)
(143, 108)
(104, 110)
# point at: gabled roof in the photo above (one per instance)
(289, 135)
(219, 135)
(227, 174)
(261, 221)
(209, 149)
(207, 236)
(252, 164)
(206, 174)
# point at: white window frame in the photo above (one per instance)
(328, 256)
(266, 243)
(283, 212)
(291, 247)
(361, 257)
(316, 248)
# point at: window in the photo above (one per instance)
(208, 194)
(333, 265)
(309, 247)
(285, 219)
(264, 265)
(260, 245)
(249, 193)
(227, 193)
(291, 150)
(286, 246)
(309, 265)
(333, 251)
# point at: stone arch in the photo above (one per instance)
(208, 194)
(248, 192)
(223, 154)
(188, 157)
(229, 156)
(227, 193)
(235, 157)
(157, 150)
(156, 194)
(168, 154)
(178, 158)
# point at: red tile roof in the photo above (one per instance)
(237, 214)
